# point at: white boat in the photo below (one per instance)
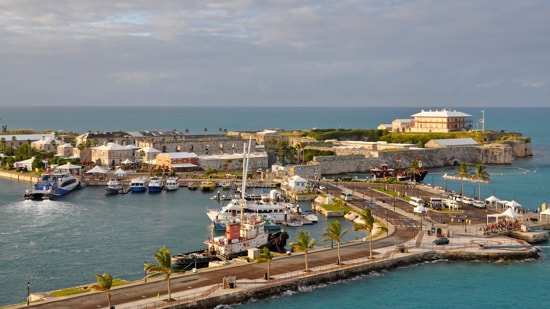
(53, 185)
(138, 184)
(172, 184)
(113, 186)
(155, 184)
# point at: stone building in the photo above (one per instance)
(112, 154)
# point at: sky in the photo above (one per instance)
(275, 53)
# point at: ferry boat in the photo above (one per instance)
(51, 185)
(155, 184)
(138, 184)
(172, 184)
(192, 186)
(65, 184)
(207, 186)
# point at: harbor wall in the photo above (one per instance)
(279, 287)
(491, 154)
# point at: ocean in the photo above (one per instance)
(64, 243)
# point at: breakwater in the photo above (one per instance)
(245, 290)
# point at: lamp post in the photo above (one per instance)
(465, 224)
(144, 271)
(387, 224)
(28, 293)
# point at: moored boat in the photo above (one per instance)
(66, 184)
(113, 186)
(155, 184)
(193, 260)
(192, 186)
(207, 186)
(138, 184)
(172, 184)
(52, 185)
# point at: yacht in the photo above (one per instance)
(207, 186)
(65, 184)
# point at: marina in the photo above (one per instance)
(138, 224)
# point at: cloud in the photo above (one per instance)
(285, 52)
(533, 84)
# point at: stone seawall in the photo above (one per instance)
(19, 177)
(491, 154)
(280, 287)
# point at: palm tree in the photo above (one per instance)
(480, 175)
(164, 267)
(463, 172)
(104, 284)
(304, 243)
(333, 232)
(366, 223)
(265, 257)
(415, 168)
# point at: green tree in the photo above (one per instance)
(304, 243)
(415, 168)
(366, 223)
(265, 257)
(334, 232)
(104, 284)
(480, 175)
(163, 267)
(463, 172)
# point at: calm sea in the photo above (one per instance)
(65, 243)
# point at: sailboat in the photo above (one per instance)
(246, 233)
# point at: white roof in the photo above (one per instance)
(97, 169)
(181, 155)
(441, 113)
(297, 178)
(111, 147)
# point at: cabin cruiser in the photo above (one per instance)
(138, 184)
(172, 183)
(113, 186)
(155, 184)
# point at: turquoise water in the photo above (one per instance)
(66, 242)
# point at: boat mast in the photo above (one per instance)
(246, 157)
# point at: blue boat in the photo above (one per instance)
(138, 184)
(155, 184)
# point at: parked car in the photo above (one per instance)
(441, 241)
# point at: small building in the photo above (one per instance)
(297, 183)
(46, 143)
(401, 125)
(177, 161)
(233, 161)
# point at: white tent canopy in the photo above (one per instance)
(69, 167)
(492, 199)
(120, 173)
(513, 204)
(509, 213)
(97, 170)
(127, 161)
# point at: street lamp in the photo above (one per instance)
(387, 224)
(465, 224)
(144, 271)
(28, 293)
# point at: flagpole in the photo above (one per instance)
(483, 121)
